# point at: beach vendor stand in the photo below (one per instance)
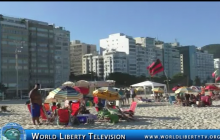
(150, 84)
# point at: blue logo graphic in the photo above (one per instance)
(12, 131)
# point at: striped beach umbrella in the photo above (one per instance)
(65, 93)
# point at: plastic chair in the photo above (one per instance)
(63, 116)
(53, 108)
(47, 106)
(75, 108)
(131, 110)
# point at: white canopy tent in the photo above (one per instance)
(150, 84)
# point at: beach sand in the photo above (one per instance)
(148, 116)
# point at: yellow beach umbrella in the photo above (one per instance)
(158, 90)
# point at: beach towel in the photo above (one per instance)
(35, 112)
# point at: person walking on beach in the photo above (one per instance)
(127, 95)
(121, 93)
(132, 93)
(36, 103)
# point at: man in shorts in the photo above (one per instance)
(36, 104)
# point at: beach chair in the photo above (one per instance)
(47, 106)
(45, 117)
(131, 110)
(53, 108)
(63, 117)
(75, 108)
(29, 107)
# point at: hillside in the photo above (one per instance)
(214, 49)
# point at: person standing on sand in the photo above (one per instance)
(36, 103)
(132, 93)
(127, 95)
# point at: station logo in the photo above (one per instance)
(12, 131)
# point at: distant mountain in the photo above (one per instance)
(213, 49)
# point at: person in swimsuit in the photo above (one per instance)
(36, 103)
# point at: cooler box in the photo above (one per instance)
(82, 118)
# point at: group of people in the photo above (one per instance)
(36, 105)
(190, 99)
(126, 94)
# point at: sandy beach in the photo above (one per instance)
(148, 116)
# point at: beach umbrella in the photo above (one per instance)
(175, 88)
(65, 93)
(107, 93)
(82, 90)
(185, 90)
(158, 90)
(211, 87)
(49, 100)
(68, 83)
(82, 83)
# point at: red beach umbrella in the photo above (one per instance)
(82, 90)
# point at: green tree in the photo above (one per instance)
(197, 81)
(208, 79)
(72, 76)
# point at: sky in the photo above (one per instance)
(191, 23)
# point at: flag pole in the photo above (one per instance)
(168, 87)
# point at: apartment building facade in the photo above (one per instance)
(195, 62)
(61, 56)
(205, 66)
(171, 58)
(34, 42)
(14, 35)
(122, 43)
(114, 61)
(147, 53)
(93, 63)
(217, 64)
(77, 50)
(41, 53)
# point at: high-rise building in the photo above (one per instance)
(34, 43)
(14, 38)
(147, 53)
(61, 54)
(171, 58)
(102, 65)
(195, 62)
(77, 50)
(114, 61)
(41, 53)
(93, 63)
(217, 64)
(122, 43)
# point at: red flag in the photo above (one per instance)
(150, 65)
(155, 67)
